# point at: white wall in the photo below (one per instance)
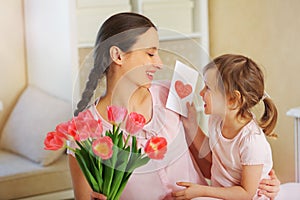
(12, 55)
(51, 41)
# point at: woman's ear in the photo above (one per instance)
(116, 54)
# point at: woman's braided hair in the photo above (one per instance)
(121, 30)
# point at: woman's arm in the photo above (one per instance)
(270, 187)
(82, 190)
(204, 163)
(247, 189)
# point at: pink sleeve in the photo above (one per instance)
(254, 149)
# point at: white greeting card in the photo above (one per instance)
(182, 88)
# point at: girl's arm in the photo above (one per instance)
(82, 190)
(196, 139)
(249, 184)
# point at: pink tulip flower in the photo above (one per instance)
(96, 128)
(66, 129)
(156, 148)
(135, 122)
(102, 147)
(86, 126)
(85, 115)
(54, 141)
(115, 114)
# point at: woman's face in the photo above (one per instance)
(213, 98)
(141, 63)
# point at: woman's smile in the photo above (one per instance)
(150, 74)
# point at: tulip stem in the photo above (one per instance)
(126, 141)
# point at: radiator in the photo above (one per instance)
(295, 112)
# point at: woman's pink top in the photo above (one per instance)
(249, 147)
(157, 179)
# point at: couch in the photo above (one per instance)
(27, 171)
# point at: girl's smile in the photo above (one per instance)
(213, 99)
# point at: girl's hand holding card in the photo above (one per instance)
(182, 88)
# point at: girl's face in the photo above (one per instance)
(141, 63)
(213, 98)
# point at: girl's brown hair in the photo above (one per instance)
(239, 73)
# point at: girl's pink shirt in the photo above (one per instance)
(157, 179)
(249, 147)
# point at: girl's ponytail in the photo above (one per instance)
(269, 118)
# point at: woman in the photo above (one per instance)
(126, 52)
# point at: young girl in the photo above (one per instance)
(240, 155)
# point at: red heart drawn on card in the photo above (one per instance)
(183, 90)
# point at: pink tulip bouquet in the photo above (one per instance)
(106, 158)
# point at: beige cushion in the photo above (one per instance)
(35, 114)
(20, 177)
